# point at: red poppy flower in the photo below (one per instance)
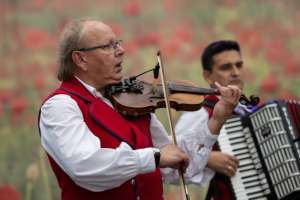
(132, 8)
(169, 5)
(291, 67)
(1, 109)
(131, 47)
(40, 82)
(149, 39)
(38, 3)
(9, 192)
(37, 39)
(18, 105)
(229, 3)
(170, 47)
(184, 32)
(6, 95)
(269, 84)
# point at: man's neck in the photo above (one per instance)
(89, 87)
(89, 83)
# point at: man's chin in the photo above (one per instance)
(117, 79)
(241, 86)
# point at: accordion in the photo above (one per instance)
(267, 144)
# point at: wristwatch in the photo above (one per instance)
(156, 153)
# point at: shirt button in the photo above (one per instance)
(132, 182)
(200, 147)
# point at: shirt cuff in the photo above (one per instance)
(146, 160)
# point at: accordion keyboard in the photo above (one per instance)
(267, 145)
(249, 181)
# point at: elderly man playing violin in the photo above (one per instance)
(97, 153)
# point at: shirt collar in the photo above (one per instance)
(95, 92)
(91, 89)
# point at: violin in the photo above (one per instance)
(135, 97)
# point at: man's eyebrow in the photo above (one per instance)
(232, 63)
(225, 64)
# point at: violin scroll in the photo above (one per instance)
(252, 101)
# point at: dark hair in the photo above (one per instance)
(215, 48)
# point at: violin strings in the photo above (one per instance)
(189, 88)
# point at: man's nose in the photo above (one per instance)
(236, 71)
(120, 50)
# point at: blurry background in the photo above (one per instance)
(268, 31)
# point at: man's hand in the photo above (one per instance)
(223, 163)
(230, 96)
(174, 157)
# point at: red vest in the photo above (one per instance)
(220, 186)
(111, 128)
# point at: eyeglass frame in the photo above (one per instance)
(113, 44)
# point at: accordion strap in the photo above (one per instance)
(209, 103)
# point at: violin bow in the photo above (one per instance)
(183, 185)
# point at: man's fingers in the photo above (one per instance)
(230, 171)
(185, 159)
(173, 156)
(217, 84)
(235, 91)
(230, 91)
(233, 158)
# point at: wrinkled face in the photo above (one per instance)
(100, 66)
(227, 69)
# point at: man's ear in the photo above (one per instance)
(79, 60)
(207, 76)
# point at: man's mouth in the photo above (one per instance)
(235, 81)
(119, 66)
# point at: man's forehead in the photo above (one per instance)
(94, 29)
(95, 26)
(227, 56)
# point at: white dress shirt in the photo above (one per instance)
(191, 122)
(68, 140)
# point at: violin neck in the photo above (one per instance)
(174, 88)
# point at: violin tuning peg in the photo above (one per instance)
(254, 100)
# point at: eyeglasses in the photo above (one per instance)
(114, 44)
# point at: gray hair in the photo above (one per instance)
(69, 41)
